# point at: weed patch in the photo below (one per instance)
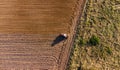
(94, 40)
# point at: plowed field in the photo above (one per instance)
(28, 28)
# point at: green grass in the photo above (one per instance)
(82, 41)
(94, 40)
(97, 45)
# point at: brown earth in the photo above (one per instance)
(28, 28)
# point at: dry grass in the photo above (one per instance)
(103, 20)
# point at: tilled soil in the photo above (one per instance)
(29, 27)
(28, 52)
(35, 16)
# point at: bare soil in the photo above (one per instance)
(28, 28)
(42, 17)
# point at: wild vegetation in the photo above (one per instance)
(97, 43)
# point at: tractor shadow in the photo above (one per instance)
(58, 39)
